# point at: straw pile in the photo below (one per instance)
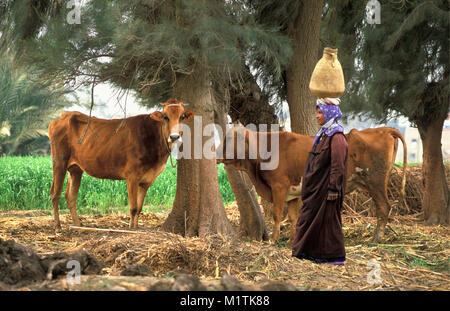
(412, 257)
(360, 202)
(208, 257)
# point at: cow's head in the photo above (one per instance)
(173, 113)
(235, 150)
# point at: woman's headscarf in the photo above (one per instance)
(332, 113)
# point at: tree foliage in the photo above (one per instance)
(279, 15)
(142, 45)
(390, 66)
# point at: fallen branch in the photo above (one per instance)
(104, 230)
(392, 230)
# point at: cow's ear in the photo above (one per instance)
(157, 116)
(188, 115)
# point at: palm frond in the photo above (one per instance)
(26, 107)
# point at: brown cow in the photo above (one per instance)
(371, 156)
(279, 185)
(134, 149)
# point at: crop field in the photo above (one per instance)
(25, 184)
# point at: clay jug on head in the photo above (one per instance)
(327, 79)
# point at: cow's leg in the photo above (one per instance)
(279, 197)
(73, 185)
(142, 191)
(382, 211)
(293, 213)
(132, 187)
(59, 173)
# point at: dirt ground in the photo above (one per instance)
(412, 257)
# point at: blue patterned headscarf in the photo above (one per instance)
(332, 113)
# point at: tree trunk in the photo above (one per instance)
(198, 209)
(251, 223)
(436, 197)
(305, 33)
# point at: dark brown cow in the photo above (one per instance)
(134, 149)
(371, 156)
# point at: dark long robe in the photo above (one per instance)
(319, 227)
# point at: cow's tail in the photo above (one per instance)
(396, 134)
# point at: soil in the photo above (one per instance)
(412, 256)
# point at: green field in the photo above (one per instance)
(25, 184)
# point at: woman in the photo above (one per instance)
(319, 234)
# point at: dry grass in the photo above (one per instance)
(412, 257)
(361, 203)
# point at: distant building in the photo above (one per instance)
(446, 139)
(415, 147)
(414, 144)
